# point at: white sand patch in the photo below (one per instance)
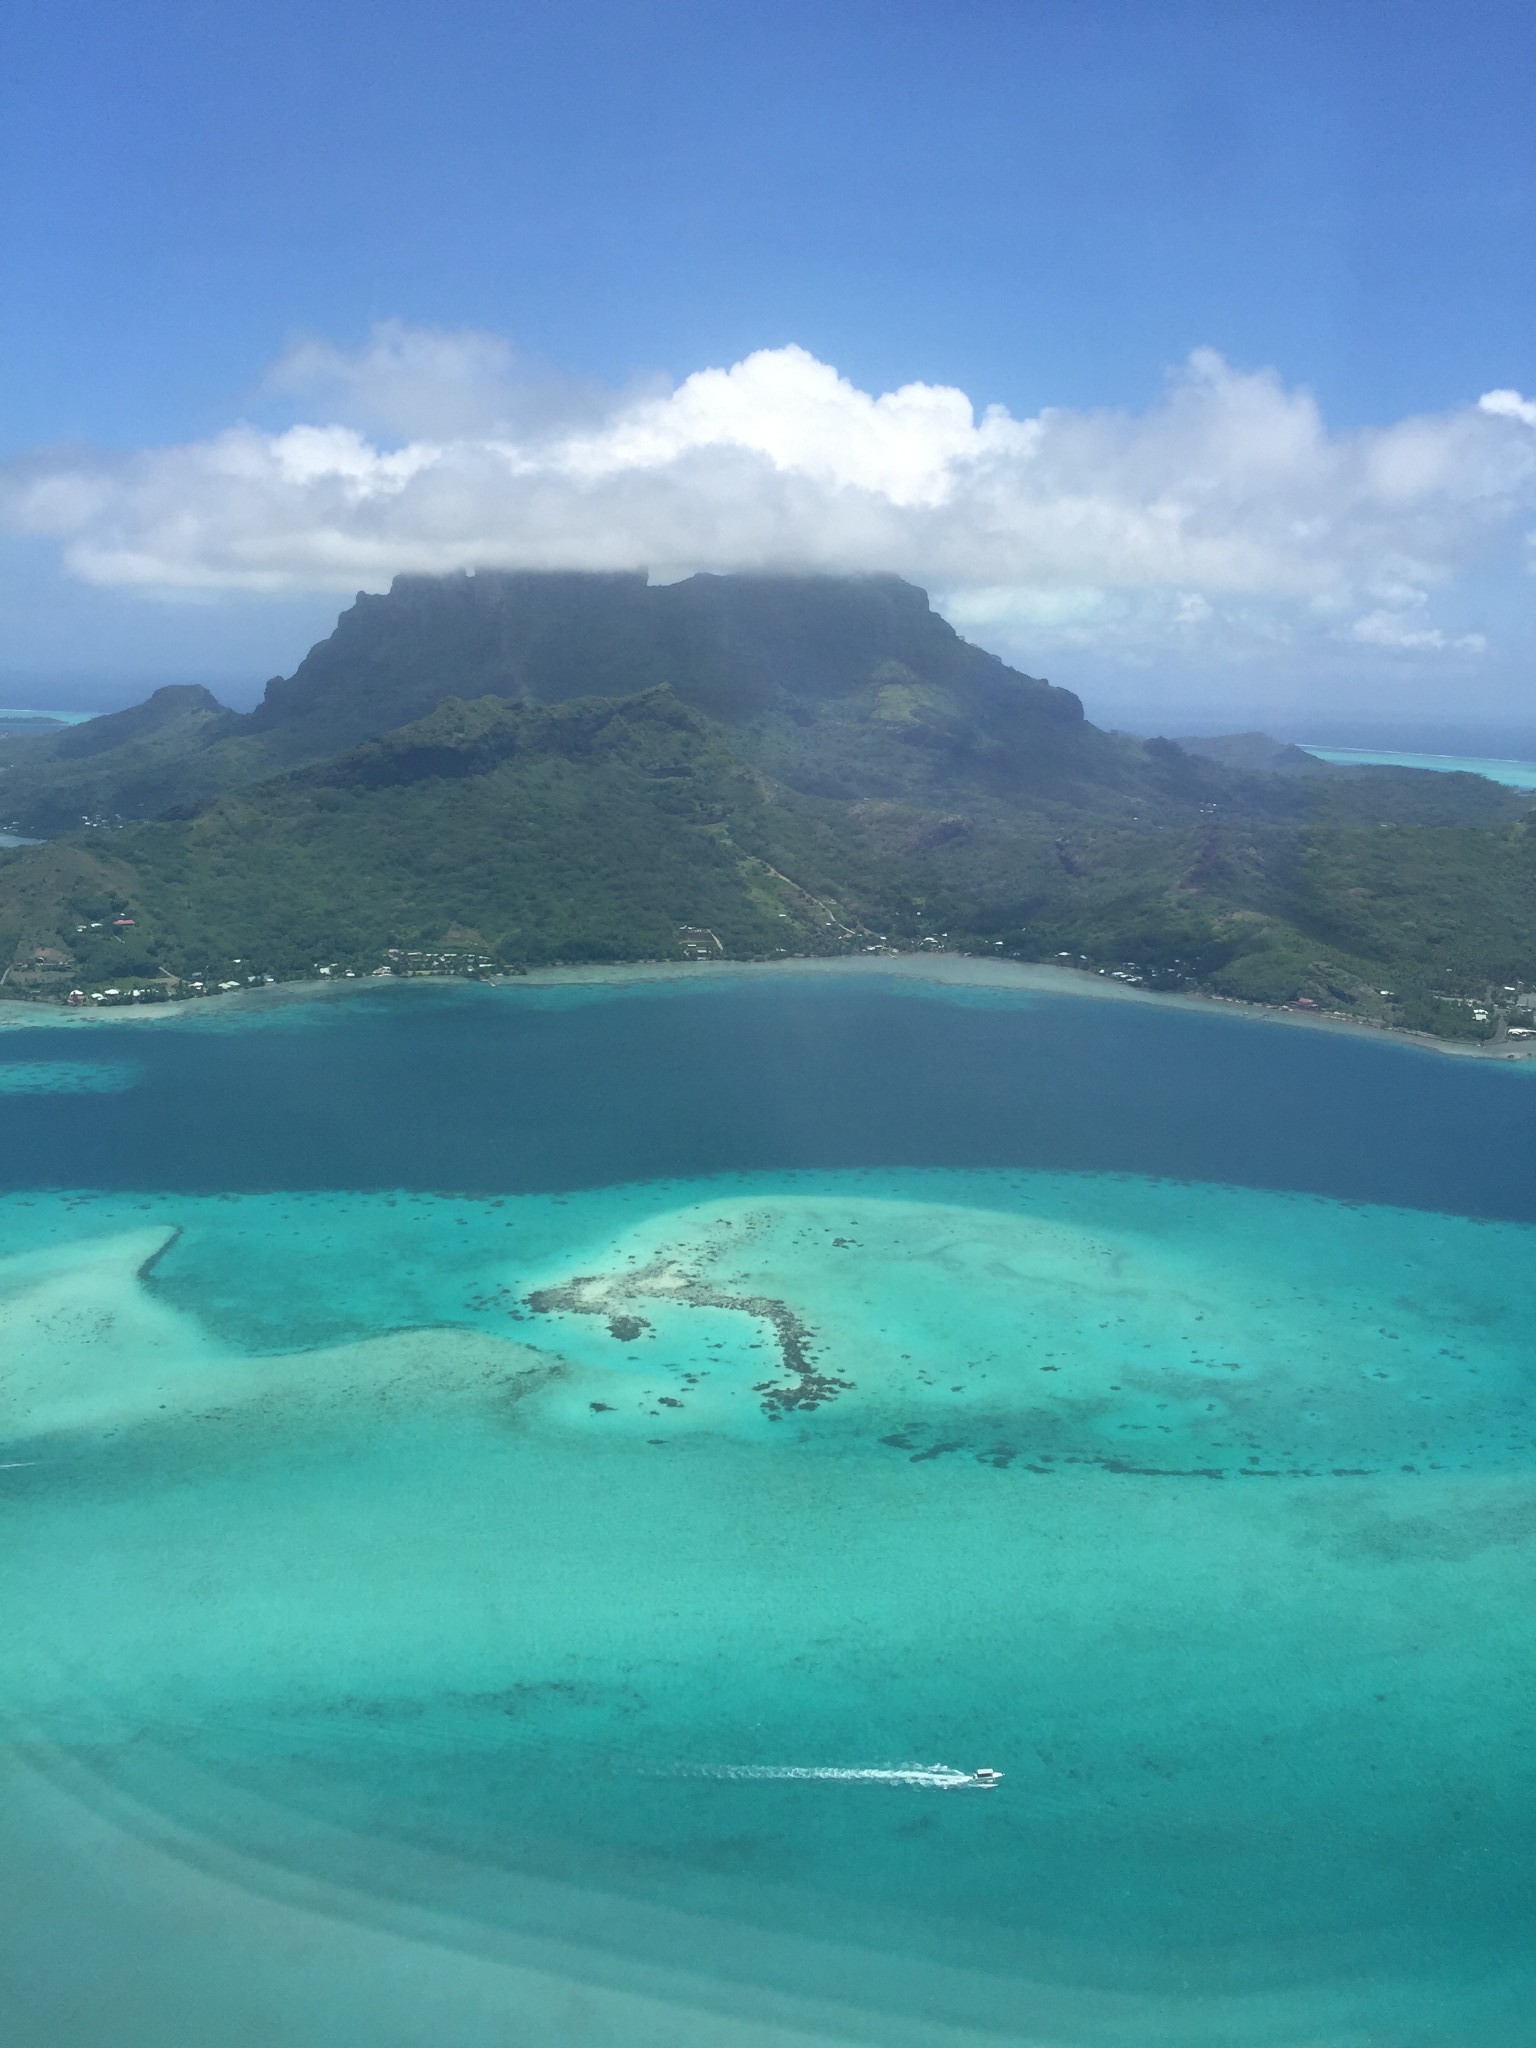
(86, 1346)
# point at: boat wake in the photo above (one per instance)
(924, 1777)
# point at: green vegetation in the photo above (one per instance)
(488, 833)
(829, 767)
(589, 831)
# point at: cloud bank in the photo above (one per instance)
(1228, 511)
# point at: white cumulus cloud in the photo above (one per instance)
(1509, 405)
(1228, 507)
(1406, 625)
(430, 383)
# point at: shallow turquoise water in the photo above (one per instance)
(393, 1579)
(1514, 774)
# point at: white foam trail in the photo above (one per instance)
(930, 1777)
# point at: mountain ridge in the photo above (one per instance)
(846, 685)
(771, 765)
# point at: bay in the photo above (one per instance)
(469, 1453)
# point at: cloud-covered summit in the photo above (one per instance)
(1228, 509)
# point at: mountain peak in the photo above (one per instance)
(743, 649)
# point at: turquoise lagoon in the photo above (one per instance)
(460, 1446)
(1513, 774)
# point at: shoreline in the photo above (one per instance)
(943, 970)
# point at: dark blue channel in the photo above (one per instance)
(512, 1091)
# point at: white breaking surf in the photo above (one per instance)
(928, 1777)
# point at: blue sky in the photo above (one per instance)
(1212, 263)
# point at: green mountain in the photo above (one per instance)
(1255, 753)
(512, 769)
(839, 686)
(492, 832)
(128, 764)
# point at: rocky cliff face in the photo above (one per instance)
(837, 686)
(739, 648)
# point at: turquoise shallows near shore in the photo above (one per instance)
(409, 1597)
(1513, 774)
(1199, 1513)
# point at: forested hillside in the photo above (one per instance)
(483, 773)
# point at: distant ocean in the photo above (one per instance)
(15, 717)
(1515, 774)
(517, 1506)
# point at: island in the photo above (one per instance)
(489, 773)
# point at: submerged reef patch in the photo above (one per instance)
(804, 1386)
(68, 1077)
